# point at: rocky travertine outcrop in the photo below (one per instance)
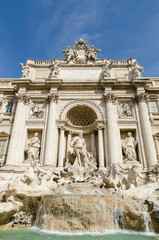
(77, 207)
(95, 212)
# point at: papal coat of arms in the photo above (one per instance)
(81, 52)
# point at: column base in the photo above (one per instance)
(102, 168)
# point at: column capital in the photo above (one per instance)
(142, 97)
(100, 127)
(22, 98)
(68, 132)
(62, 128)
(110, 97)
(53, 97)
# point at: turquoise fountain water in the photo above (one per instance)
(37, 234)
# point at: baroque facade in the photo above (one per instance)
(43, 113)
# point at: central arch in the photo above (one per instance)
(85, 104)
(85, 116)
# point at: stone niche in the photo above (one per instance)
(33, 145)
(129, 146)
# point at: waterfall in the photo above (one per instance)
(91, 212)
(147, 221)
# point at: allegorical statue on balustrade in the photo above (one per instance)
(33, 149)
(136, 70)
(25, 70)
(129, 148)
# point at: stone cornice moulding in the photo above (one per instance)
(140, 81)
(38, 83)
(80, 83)
(107, 81)
(85, 129)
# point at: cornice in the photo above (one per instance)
(140, 81)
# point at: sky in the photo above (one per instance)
(41, 29)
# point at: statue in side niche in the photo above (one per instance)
(129, 148)
(33, 148)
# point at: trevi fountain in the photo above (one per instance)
(79, 149)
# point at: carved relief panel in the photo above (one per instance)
(125, 110)
(37, 109)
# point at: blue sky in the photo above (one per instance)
(41, 29)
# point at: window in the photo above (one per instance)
(154, 107)
(2, 146)
(9, 107)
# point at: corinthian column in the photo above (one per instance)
(112, 129)
(50, 157)
(93, 144)
(14, 156)
(146, 130)
(100, 146)
(61, 147)
(68, 148)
